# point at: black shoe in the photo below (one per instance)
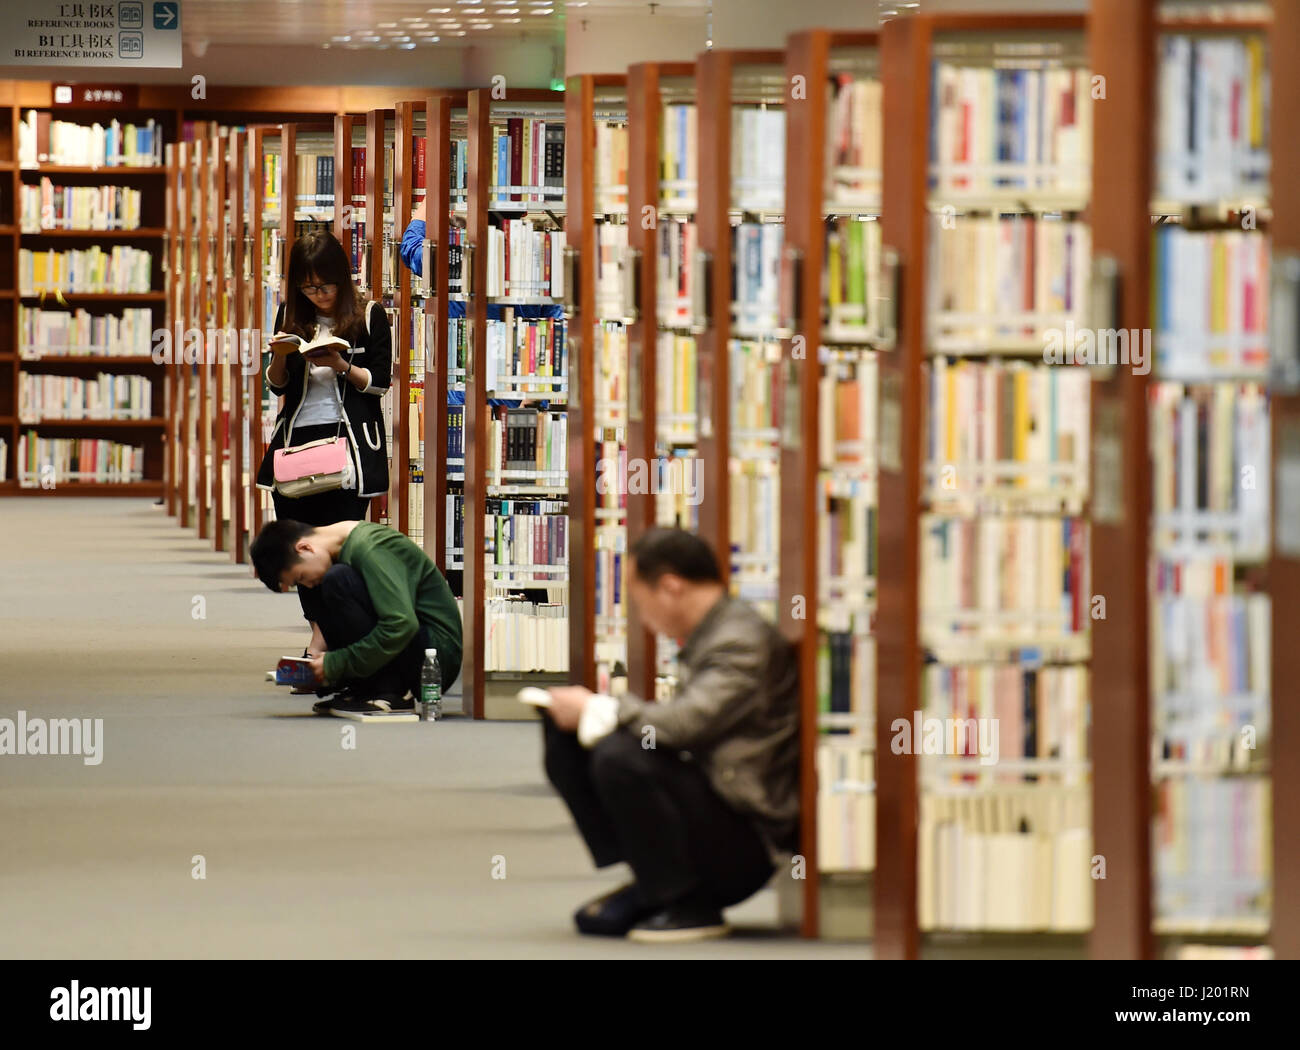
(679, 923)
(329, 697)
(355, 707)
(613, 914)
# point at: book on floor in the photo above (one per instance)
(376, 716)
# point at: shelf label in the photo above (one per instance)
(791, 415)
(634, 358)
(1287, 528)
(118, 33)
(1108, 464)
(891, 419)
(704, 393)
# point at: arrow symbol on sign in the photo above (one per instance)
(168, 15)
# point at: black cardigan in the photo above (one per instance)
(362, 414)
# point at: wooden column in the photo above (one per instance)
(1122, 50)
(1284, 565)
(476, 410)
(713, 76)
(905, 76)
(247, 343)
(437, 172)
(580, 228)
(400, 481)
(220, 435)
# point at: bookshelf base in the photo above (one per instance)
(844, 903)
(136, 489)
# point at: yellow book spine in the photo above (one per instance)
(1022, 420)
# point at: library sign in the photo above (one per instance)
(78, 33)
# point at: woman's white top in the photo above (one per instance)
(322, 403)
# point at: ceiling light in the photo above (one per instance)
(438, 10)
(513, 21)
(451, 25)
(422, 24)
(387, 25)
(406, 47)
(481, 25)
(341, 39)
(411, 18)
(370, 39)
(461, 33)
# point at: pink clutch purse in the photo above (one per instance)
(317, 466)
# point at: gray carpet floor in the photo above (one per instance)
(310, 850)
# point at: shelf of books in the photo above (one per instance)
(516, 583)
(433, 320)
(1183, 536)
(379, 243)
(266, 268)
(733, 315)
(834, 319)
(81, 398)
(982, 766)
(596, 181)
(662, 462)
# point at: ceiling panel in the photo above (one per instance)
(401, 24)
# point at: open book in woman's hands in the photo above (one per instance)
(324, 342)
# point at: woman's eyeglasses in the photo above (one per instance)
(317, 289)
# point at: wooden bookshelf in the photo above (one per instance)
(15, 363)
(265, 295)
(588, 98)
(1128, 45)
(483, 208)
(648, 83)
(813, 57)
(908, 48)
(422, 310)
(726, 80)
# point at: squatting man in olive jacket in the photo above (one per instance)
(697, 794)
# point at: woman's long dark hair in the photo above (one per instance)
(320, 253)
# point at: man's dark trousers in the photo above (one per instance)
(340, 605)
(657, 811)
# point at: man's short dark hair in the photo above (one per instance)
(684, 554)
(275, 549)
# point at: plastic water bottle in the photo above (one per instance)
(430, 687)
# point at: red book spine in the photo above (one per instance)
(419, 164)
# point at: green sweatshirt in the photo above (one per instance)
(407, 590)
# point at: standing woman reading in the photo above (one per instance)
(330, 392)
